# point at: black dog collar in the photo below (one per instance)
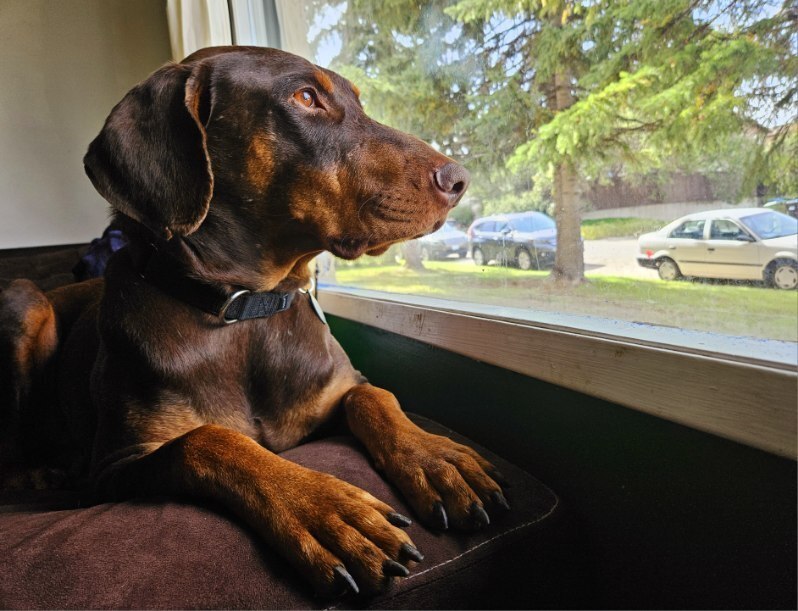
(167, 274)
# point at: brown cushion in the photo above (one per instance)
(165, 553)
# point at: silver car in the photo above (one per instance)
(738, 244)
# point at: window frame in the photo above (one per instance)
(754, 404)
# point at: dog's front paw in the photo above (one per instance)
(447, 483)
(338, 536)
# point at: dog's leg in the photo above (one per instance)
(28, 341)
(34, 327)
(444, 481)
(335, 534)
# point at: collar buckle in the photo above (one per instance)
(228, 303)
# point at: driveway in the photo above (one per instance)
(615, 257)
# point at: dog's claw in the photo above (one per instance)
(498, 499)
(497, 477)
(346, 579)
(392, 568)
(411, 552)
(479, 515)
(397, 519)
(439, 516)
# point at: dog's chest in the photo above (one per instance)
(291, 385)
(276, 380)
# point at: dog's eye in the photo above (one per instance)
(306, 97)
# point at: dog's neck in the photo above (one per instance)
(228, 262)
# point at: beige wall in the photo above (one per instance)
(63, 65)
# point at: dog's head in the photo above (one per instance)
(265, 141)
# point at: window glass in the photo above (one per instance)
(693, 230)
(771, 225)
(723, 229)
(614, 119)
(535, 222)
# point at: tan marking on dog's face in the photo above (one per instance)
(355, 89)
(379, 194)
(324, 81)
(260, 161)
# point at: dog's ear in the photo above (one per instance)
(150, 161)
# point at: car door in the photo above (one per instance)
(686, 246)
(481, 237)
(502, 242)
(732, 252)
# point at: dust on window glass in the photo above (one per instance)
(627, 126)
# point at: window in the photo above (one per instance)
(533, 222)
(771, 225)
(690, 230)
(643, 134)
(637, 117)
(722, 229)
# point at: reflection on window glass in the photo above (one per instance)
(693, 230)
(615, 122)
(771, 225)
(723, 229)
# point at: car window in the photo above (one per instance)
(533, 223)
(486, 226)
(693, 230)
(724, 229)
(771, 224)
(501, 226)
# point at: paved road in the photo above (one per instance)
(614, 257)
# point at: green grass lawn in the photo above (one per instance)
(725, 308)
(598, 229)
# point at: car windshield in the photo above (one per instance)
(771, 224)
(533, 223)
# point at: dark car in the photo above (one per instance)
(525, 239)
(448, 240)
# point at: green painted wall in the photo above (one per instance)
(669, 517)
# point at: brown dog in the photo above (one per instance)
(229, 172)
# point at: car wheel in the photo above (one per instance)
(784, 275)
(668, 270)
(479, 257)
(425, 254)
(523, 259)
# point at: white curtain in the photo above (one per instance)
(293, 27)
(194, 24)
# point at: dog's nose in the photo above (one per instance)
(452, 179)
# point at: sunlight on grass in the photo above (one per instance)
(598, 229)
(745, 310)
